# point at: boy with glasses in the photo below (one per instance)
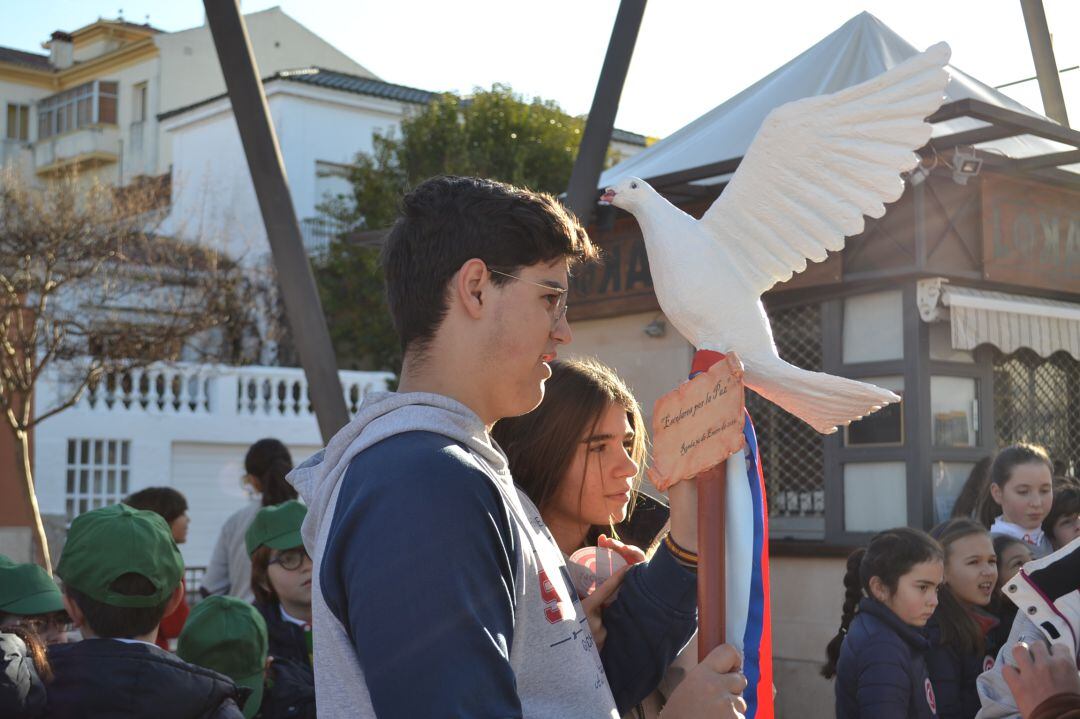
(438, 590)
(281, 579)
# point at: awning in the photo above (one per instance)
(1004, 320)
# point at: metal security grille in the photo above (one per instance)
(792, 453)
(1033, 397)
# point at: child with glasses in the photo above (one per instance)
(281, 579)
(29, 598)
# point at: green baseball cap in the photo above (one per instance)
(105, 543)
(278, 527)
(27, 589)
(228, 635)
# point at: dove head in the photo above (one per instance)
(628, 194)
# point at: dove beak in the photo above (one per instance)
(607, 197)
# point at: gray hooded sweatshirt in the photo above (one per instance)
(366, 492)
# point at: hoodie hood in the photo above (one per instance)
(383, 415)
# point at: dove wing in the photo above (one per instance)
(817, 165)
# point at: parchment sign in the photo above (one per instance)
(699, 424)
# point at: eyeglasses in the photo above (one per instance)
(290, 559)
(556, 307)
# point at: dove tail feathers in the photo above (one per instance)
(823, 401)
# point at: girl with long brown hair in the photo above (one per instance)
(579, 457)
(959, 632)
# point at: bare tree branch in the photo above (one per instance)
(91, 290)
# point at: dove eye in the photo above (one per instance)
(633, 185)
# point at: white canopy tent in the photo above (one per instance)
(860, 49)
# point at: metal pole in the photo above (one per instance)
(1042, 51)
(581, 192)
(302, 307)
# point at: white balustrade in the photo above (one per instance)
(187, 389)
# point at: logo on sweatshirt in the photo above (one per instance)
(550, 595)
(930, 696)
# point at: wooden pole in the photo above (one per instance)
(1042, 52)
(581, 192)
(302, 306)
(712, 555)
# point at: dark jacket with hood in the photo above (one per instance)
(104, 678)
(881, 673)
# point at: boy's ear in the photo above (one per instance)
(470, 283)
(73, 610)
(175, 598)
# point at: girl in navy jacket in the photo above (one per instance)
(879, 655)
(958, 632)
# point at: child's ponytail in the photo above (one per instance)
(853, 593)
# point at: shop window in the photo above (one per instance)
(98, 474)
(874, 327)
(954, 411)
(792, 453)
(875, 496)
(1035, 401)
(948, 480)
(941, 348)
(884, 428)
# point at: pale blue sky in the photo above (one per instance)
(691, 54)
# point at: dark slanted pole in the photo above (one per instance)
(582, 191)
(1042, 51)
(302, 307)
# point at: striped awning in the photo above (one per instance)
(1004, 320)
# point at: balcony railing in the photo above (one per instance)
(214, 390)
(93, 145)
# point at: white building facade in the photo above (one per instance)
(181, 426)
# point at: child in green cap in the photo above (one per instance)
(121, 573)
(29, 598)
(281, 579)
(228, 635)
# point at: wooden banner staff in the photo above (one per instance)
(712, 540)
(712, 565)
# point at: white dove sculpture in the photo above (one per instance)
(816, 166)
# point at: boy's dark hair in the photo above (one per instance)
(445, 222)
(270, 461)
(1066, 501)
(890, 555)
(108, 621)
(958, 629)
(165, 501)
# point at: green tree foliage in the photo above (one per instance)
(494, 133)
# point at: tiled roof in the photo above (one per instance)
(630, 138)
(333, 80)
(26, 59)
(359, 85)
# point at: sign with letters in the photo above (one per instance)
(1031, 234)
(699, 424)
